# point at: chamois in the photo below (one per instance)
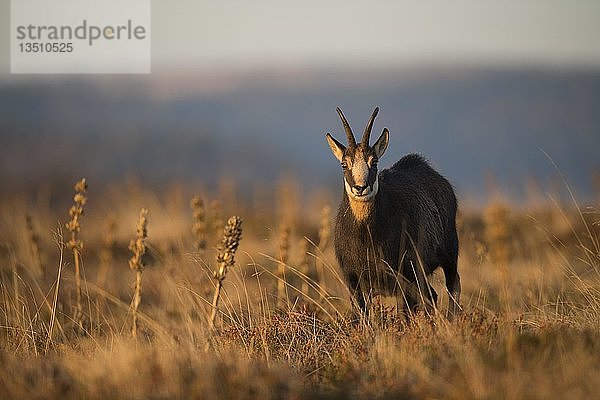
(393, 228)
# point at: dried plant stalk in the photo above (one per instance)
(232, 235)
(324, 238)
(136, 263)
(199, 226)
(34, 246)
(288, 194)
(217, 218)
(304, 265)
(497, 234)
(75, 244)
(106, 253)
(284, 245)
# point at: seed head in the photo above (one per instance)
(199, 226)
(232, 235)
(138, 246)
(75, 212)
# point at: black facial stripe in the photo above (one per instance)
(372, 174)
(349, 178)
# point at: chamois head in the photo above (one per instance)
(359, 161)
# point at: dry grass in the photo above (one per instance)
(530, 326)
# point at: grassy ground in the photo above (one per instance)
(530, 327)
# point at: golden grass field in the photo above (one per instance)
(530, 326)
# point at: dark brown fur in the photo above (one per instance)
(408, 227)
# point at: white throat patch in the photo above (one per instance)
(364, 198)
(361, 206)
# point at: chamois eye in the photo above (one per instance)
(344, 165)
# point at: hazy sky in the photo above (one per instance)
(271, 33)
(375, 33)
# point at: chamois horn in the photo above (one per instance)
(349, 134)
(367, 135)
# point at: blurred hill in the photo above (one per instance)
(256, 127)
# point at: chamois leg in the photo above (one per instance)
(453, 285)
(360, 298)
(363, 301)
(433, 295)
(411, 301)
(425, 292)
(416, 293)
(426, 296)
(414, 299)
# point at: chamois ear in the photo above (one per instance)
(336, 147)
(382, 143)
